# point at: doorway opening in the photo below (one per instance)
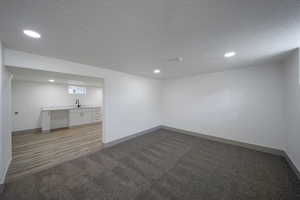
(55, 117)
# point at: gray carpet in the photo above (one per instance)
(162, 165)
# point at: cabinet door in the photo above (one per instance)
(74, 118)
(97, 115)
(80, 117)
(59, 119)
(46, 116)
(85, 115)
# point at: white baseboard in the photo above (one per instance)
(3, 175)
(112, 143)
(273, 151)
(292, 165)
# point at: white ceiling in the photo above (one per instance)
(59, 78)
(137, 36)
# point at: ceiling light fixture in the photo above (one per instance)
(177, 59)
(32, 34)
(229, 54)
(51, 80)
(156, 71)
(180, 59)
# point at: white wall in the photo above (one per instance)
(292, 97)
(2, 172)
(131, 103)
(5, 119)
(29, 97)
(244, 105)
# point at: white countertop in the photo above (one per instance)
(69, 107)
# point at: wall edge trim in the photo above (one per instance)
(255, 147)
(3, 176)
(123, 139)
(277, 152)
(26, 131)
(292, 165)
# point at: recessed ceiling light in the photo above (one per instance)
(180, 59)
(229, 54)
(156, 71)
(51, 80)
(32, 34)
(177, 59)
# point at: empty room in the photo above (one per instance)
(150, 100)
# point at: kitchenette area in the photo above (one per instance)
(69, 116)
(55, 118)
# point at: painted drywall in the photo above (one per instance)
(131, 103)
(2, 165)
(29, 97)
(245, 105)
(5, 119)
(292, 104)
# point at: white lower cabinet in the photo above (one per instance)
(58, 118)
(84, 116)
(96, 115)
(46, 117)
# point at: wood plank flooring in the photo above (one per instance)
(34, 152)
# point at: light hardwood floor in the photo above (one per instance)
(34, 152)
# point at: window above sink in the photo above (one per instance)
(72, 89)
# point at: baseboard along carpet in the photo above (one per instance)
(163, 165)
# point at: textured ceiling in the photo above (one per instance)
(137, 36)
